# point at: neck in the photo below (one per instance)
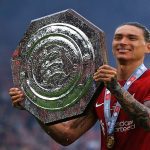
(125, 70)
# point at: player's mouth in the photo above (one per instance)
(123, 49)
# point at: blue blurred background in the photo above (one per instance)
(18, 129)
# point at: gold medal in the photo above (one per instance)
(110, 141)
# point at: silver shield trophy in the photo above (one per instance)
(54, 64)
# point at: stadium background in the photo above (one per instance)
(18, 129)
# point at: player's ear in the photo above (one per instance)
(148, 48)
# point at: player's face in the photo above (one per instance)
(129, 44)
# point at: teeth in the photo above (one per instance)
(122, 49)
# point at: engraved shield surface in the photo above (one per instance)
(54, 64)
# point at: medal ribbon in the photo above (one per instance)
(111, 120)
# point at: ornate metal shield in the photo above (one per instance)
(54, 64)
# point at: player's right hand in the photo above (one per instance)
(17, 96)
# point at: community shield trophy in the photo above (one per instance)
(54, 63)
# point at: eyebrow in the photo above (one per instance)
(119, 34)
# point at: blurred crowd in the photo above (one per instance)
(20, 131)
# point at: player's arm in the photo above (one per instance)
(139, 112)
(67, 132)
(64, 133)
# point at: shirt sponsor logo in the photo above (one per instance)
(124, 126)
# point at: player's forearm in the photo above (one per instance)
(139, 112)
(67, 132)
(59, 132)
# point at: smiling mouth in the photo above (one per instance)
(123, 49)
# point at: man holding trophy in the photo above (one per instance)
(122, 105)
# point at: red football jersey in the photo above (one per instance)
(128, 135)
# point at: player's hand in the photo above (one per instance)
(105, 73)
(17, 96)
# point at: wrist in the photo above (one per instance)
(113, 86)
